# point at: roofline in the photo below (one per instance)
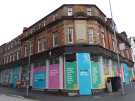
(94, 5)
(62, 7)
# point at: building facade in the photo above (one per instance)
(132, 42)
(69, 49)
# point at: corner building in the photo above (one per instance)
(70, 49)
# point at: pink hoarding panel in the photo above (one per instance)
(54, 76)
(118, 72)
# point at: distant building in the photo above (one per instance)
(54, 44)
(132, 42)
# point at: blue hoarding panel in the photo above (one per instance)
(84, 73)
(126, 73)
(39, 80)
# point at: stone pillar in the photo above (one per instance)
(61, 71)
(132, 72)
(20, 73)
(47, 72)
(102, 70)
(110, 67)
(31, 74)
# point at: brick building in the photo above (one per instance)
(51, 46)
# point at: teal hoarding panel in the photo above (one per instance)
(126, 73)
(39, 77)
(39, 80)
(15, 75)
(96, 78)
(71, 76)
(84, 70)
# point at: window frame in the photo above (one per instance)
(89, 11)
(70, 33)
(25, 51)
(70, 11)
(55, 35)
(39, 45)
(90, 33)
(103, 38)
(113, 43)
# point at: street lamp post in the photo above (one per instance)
(116, 46)
(29, 68)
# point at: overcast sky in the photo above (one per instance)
(16, 14)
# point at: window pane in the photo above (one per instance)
(70, 12)
(45, 44)
(70, 35)
(39, 46)
(89, 11)
(90, 35)
(55, 39)
(103, 39)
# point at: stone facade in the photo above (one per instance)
(56, 38)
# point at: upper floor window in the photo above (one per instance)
(25, 51)
(55, 40)
(28, 49)
(10, 58)
(90, 35)
(42, 45)
(89, 11)
(103, 39)
(113, 43)
(70, 11)
(17, 55)
(12, 45)
(45, 44)
(44, 23)
(55, 16)
(13, 57)
(69, 36)
(39, 45)
(127, 53)
(5, 60)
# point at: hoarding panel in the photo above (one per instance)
(15, 75)
(54, 77)
(114, 70)
(39, 77)
(84, 70)
(96, 78)
(126, 73)
(71, 76)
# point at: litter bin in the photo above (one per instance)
(115, 83)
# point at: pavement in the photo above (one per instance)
(20, 95)
(4, 97)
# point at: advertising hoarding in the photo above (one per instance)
(54, 81)
(39, 77)
(71, 75)
(96, 78)
(84, 73)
